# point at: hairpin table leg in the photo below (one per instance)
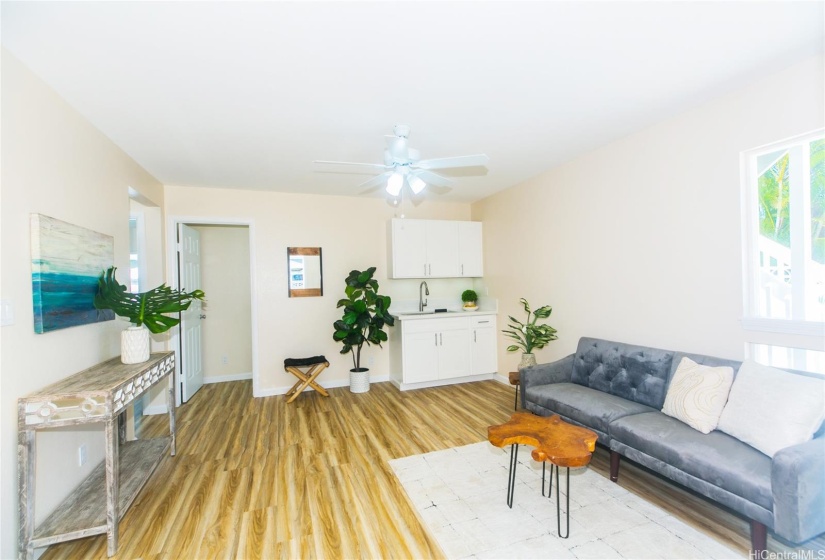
(558, 500)
(511, 480)
(543, 464)
(550, 487)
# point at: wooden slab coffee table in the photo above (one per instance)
(555, 441)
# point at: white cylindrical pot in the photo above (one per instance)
(134, 345)
(359, 380)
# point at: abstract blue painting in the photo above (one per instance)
(66, 263)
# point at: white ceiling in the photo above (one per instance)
(247, 94)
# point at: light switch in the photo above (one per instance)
(6, 313)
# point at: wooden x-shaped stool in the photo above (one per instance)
(316, 365)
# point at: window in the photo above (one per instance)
(788, 358)
(137, 259)
(784, 187)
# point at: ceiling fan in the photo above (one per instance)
(403, 167)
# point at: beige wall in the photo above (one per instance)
(352, 233)
(55, 163)
(639, 241)
(227, 330)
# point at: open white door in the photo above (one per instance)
(189, 278)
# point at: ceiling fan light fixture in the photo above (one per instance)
(395, 184)
(417, 185)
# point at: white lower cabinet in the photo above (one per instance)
(453, 353)
(484, 354)
(420, 357)
(436, 350)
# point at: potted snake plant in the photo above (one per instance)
(146, 311)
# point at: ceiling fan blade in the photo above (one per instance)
(457, 161)
(474, 171)
(435, 189)
(374, 184)
(434, 179)
(320, 166)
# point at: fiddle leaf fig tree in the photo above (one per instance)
(366, 312)
(146, 308)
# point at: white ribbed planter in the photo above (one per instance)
(359, 380)
(134, 345)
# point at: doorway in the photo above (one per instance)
(217, 340)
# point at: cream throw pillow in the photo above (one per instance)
(771, 409)
(697, 394)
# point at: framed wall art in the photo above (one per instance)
(66, 263)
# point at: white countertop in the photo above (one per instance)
(414, 315)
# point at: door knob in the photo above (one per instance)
(203, 316)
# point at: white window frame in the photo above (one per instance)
(792, 333)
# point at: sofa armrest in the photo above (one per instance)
(798, 487)
(560, 371)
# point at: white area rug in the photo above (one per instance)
(460, 494)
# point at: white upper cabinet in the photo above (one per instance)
(469, 249)
(435, 249)
(408, 249)
(442, 249)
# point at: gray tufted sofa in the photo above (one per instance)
(618, 390)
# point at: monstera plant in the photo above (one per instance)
(145, 310)
(366, 312)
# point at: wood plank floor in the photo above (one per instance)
(256, 478)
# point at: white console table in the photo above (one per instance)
(98, 394)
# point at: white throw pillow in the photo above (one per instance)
(771, 409)
(697, 394)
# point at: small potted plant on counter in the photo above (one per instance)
(145, 310)
(470, 299)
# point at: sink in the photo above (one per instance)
(425, 312)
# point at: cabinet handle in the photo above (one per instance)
(474, 336)
(462, 270)
(483, 322)
(441, 339)
(431, 270)
(436, 338)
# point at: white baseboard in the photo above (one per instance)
(440, 382)
(225, 378)
(155, 409)
(275, 391)
(502, 379)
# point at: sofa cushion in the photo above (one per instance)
(771, 409)
(697, 394)
(636, 373)
(716, 458)
(586, 406)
